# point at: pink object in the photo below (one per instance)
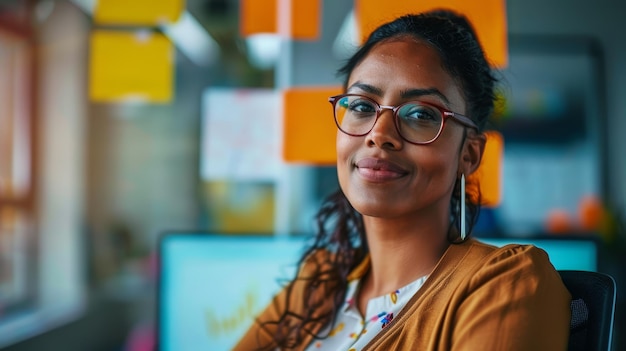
(141, 338)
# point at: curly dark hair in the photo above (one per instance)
(340, 229)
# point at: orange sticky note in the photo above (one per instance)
(266, 16)
(309, 127)
(489, 174)
(305, 19)
(488, 18)
(257, 16)
(130, 66)
(137, 12)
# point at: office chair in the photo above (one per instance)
(593, 309)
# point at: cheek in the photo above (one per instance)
(438, 163)
(445, 166)
(435, 176)
(345, 147)
(445, 152)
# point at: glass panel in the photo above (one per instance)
(6, 117)
(17, 259)
(16, 284)
(14, 122)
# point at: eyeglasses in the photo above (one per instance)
(417, 122)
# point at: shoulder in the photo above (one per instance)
(478, 291)
(508, 256)
(522, 265)
(315, 262)
(474, 252)
(511, 291)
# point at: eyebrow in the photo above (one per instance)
(366, 88)
(405, 94)
(412, 93)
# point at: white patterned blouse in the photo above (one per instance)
(351, 331)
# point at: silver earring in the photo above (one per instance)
(462, 204)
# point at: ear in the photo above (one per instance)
(472, 153)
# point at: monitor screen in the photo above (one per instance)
(212, 286)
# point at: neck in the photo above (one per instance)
(402, 251)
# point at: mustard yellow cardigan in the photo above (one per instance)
(478, 298)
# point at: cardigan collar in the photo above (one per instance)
(453, 252)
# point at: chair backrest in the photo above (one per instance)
(593, 309)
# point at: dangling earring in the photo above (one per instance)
(462, 204)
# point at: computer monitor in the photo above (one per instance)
(211, 285)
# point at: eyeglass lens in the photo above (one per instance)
(416, 121)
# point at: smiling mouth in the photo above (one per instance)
(378, 170)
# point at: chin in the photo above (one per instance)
(370, 206)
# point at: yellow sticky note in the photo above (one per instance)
(137, 12)
(309, 126)
(488, 18)
(130, 66)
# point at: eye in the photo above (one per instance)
(360, 105)
(419, 113)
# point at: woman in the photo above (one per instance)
(391, 267)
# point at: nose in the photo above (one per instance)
(384, 134)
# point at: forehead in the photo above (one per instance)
(405, 63)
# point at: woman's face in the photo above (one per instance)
(381, 174)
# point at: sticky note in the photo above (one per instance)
(488, 18)
(137, 12)
(488, 176)
(129, 65)
(296, 19)
(309, 129)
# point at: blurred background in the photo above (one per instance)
(121, 120)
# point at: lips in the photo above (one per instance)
(376, 169)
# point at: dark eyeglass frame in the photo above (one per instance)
(446, 114)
